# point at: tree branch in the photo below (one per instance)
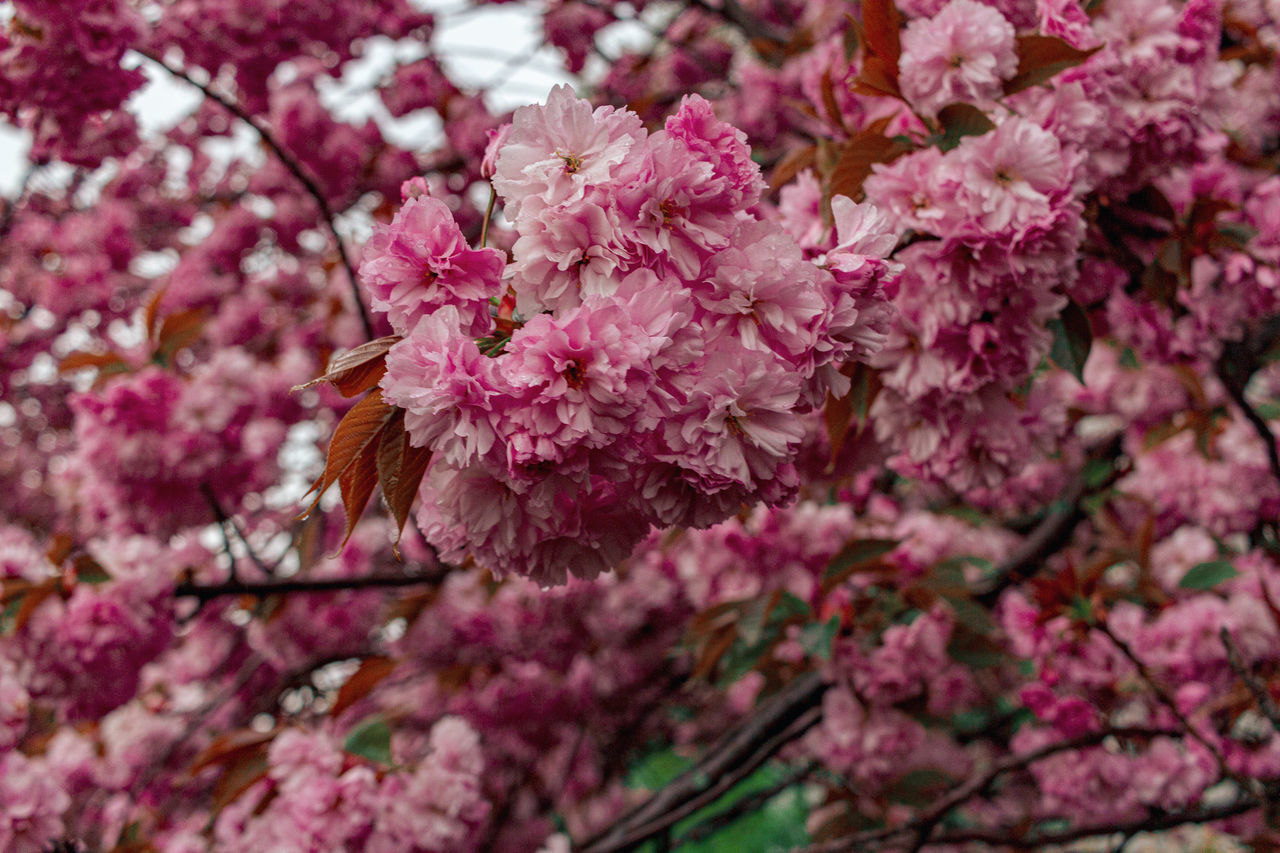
(923, 825)
(207, 592)
(1154, 823)
(1259, 690)
(733, 13)
(778, 721)
(1051, 535)
(1238, 363)
(295, 168)
(1170, 703)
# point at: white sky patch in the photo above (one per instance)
(497, 49)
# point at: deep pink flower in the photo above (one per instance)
(451, 393)
(960, 55)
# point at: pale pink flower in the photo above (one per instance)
(584, 378)
(556, 151)
(961, 55)
(765, 294)
(739, 425)
(1012, 177)
(682, 210)
(566, 253)
(451, 393)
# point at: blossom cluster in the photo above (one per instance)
(971, 410)
(662, 341)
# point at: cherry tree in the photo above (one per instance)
(820, 427)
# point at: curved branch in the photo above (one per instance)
(1155, 823)
(924, 824)
(1239, 361)
(295, 168)
(1051, 535)
(777, 722)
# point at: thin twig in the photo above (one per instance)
(221, 518)
(1155, 823)
(1238, 363)
(1170, 703)
(924, 824)
(248, 669)
(1259, 690)
(1051, 535)
(488, 214)
(730, 11)
(295, 168)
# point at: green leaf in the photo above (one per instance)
(958, 121)
(858, 553)
(1081, 609)
(759, 630)
(372, 740)
(777, 827)
(1072, 338)
(818, 637)
(1207, 575)
(789, 606)
(657, 769)
(1096, 472)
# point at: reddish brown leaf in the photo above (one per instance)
(371, 671)
(104, 361)
(401, 467)
(238, 778)
(881, 23)
(1042, 57)
(152, 314)
(356, 483)
(877, 77)
(357, 370)
(33, 598)
(358, 431)
(829, 102)
(713, 652)
(60, 548)
(837, 414)
(178, 330)
(791, 165)
(855, 159)
(230, 747)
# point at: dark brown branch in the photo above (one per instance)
(733, 13)
(1170, 703)
(207, 592)
(295, 168)
(1256, 687)
(923, 825)
(1239, 361)
(1155, 823)
(1050, 536)
(777, 722)
(224, 521)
